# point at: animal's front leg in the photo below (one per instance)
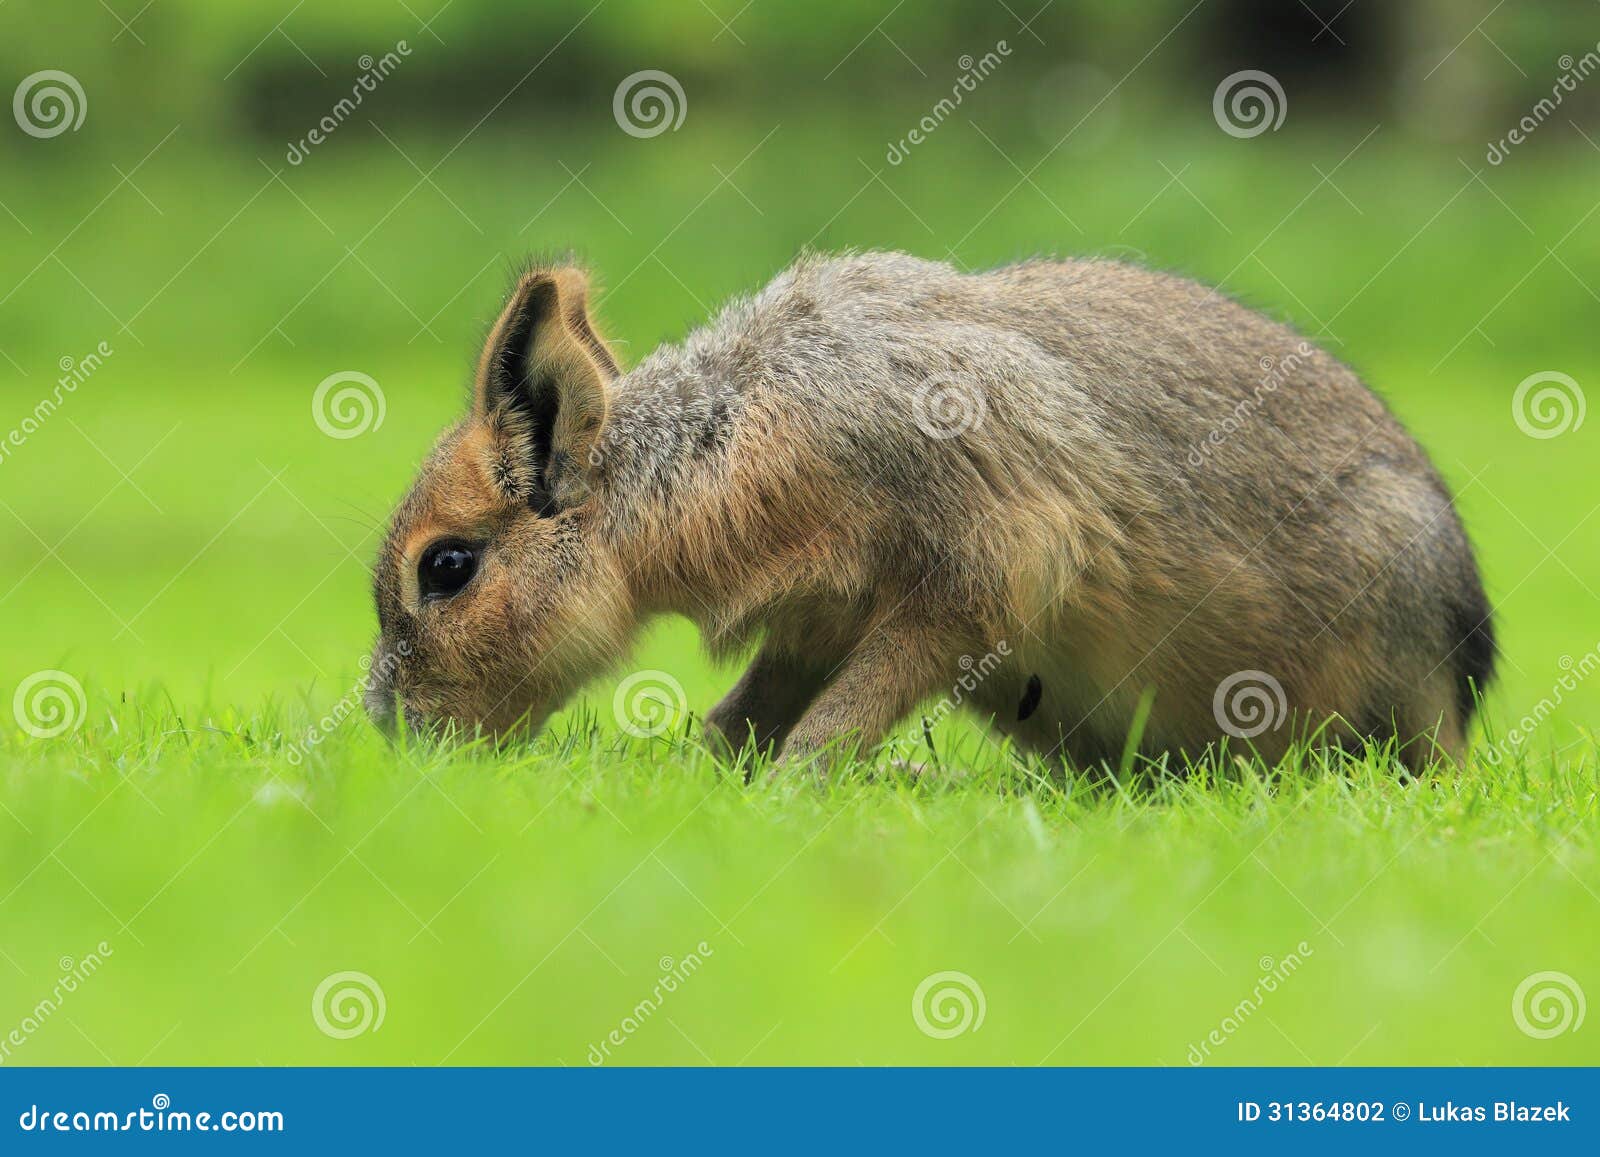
(894, 667)
(768, 700)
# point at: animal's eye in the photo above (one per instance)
(445, 568)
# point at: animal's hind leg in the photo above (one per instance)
(1439, 742)
(1429, 729)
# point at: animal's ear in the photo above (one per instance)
(541, 388)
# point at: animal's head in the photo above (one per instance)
(496, 599)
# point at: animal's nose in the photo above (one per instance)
(382, 685)
(381, 708)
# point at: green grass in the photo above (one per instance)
(515, 909)
(184, 542)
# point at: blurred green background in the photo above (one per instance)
(182, 519)
(180, 531)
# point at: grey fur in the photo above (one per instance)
(1314, 534)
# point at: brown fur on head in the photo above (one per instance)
(495, 598)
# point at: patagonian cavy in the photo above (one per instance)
(1153, 511)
